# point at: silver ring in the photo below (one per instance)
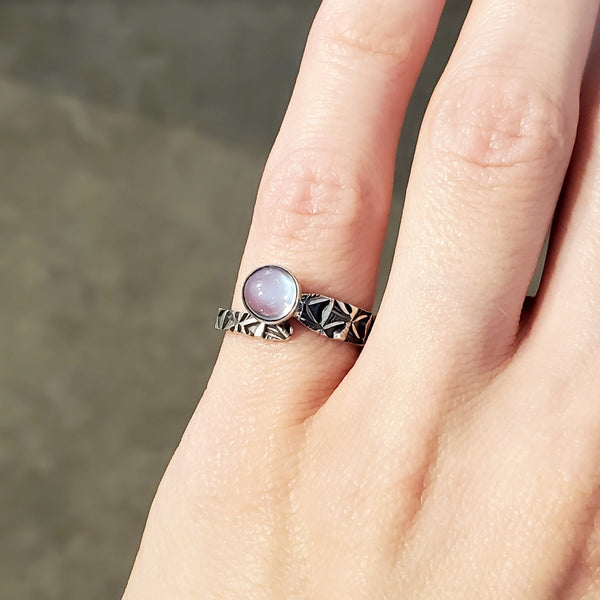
(272, 296)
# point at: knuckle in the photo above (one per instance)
(309, 202)
(489, 130)
(369, 29)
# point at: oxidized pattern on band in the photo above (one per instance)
(335, 319)
(243, 322)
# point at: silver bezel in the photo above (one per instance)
(294, 310)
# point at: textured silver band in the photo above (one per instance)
(243, 322)
(324, 315)
(335, 319)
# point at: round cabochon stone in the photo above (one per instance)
(271, 293)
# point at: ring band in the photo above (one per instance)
(335, 319)
(248, 324)
(272, 296)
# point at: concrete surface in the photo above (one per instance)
(132, 138)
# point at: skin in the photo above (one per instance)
(457, 455)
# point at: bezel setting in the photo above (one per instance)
(294, 305)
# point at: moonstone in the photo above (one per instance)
(271, 293)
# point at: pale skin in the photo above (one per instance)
(458, 455)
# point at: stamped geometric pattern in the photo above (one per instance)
(335, 319)
(243, 322)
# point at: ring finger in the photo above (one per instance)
(323, 202)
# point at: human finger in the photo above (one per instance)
(323, 203)
(566, 306)
(494, 148)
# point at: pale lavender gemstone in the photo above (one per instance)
(271, 293)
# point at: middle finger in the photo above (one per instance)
(492, 155)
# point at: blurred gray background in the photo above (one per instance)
(132, 139)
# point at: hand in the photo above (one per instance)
(458, 455)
